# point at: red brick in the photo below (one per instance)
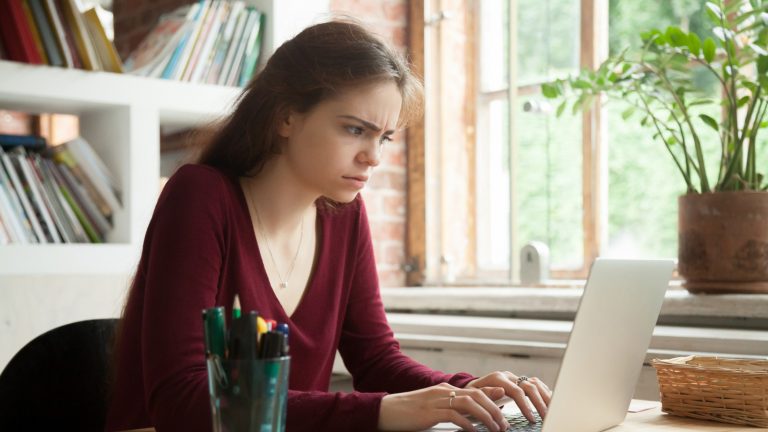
(396, 11)
(388, 180)
(394, 205)
(391, 278)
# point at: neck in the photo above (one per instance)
(279, 197)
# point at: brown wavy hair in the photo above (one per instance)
(320, 62)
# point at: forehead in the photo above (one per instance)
(379, 103)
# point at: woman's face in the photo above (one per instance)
(333, 148)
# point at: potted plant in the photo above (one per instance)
(723, 216)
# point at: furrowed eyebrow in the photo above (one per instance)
(367, 124)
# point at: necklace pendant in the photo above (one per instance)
(283, 285)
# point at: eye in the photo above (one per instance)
(384, 139)
(355, 130)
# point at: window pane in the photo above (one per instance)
(494, 45)
(643, 180)
(548, 184)
(493, 189)
(548, 39)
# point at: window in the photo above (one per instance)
(585, 184)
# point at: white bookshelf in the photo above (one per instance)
(120, 116)
(45, 286)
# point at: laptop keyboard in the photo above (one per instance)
(517, 423)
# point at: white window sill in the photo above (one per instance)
(679, 308)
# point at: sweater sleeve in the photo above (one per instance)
(184, 254)
(367, 344)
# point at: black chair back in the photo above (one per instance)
(60, 379)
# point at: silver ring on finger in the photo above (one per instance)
(451, 397)
(521, 379)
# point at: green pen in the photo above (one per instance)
(215, 329)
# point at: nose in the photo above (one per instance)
(371, 155)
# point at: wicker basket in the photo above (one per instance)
(712, 388)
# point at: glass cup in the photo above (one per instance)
(248, 395)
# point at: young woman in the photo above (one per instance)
(272, 212)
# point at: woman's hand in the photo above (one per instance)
(422, 409)
(518, 388)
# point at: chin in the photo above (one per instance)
(342, 197)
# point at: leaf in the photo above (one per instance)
(709, 121)
(694, 44)
(561, 108)
(708, 49)
(758, 49)
(676, 36)
(581, 84)
(627, 113)
(762, 65)
(742, 101)
(549, 91)
(671, 140)
(714, 13)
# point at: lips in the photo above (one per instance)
(358, 182)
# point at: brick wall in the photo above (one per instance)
(385, 196)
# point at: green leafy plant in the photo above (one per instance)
(657, 81)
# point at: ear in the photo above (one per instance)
(286, 123)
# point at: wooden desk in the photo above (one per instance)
(655, 420)
(649, 420)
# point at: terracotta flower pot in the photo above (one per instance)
(723, 242)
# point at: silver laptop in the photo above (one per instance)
(607, 346)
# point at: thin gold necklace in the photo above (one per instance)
(283, 282)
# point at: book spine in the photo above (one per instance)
(55, 57)
(253, 50)
(19, 187)
(37, 198)
(237, 61)
(176, 58)
(80, 35)
(204, 59)
(35, 32)
(16, 35)
(194, 42)
(18, 209)
(30, 142)
(49, 196)
(58, 31)
(237, 34)
(83, 227)
(13, 232)
(94, 216)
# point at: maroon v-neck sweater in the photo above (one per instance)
(199, 251)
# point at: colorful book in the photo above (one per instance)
(57, 28)
(201, 40)
(13, 175)
(35, 32)
(12, 230)
(154, 52)
(83, 43)
(237, 61)
(98, 173)
(52, 50)
(16, 34)
(110, 60)
(90, 233)
(30, 142)
(100, 224)
(176, 60)
(48, 192)
(237, 34)
(203, 60)
(63, 156)
(18, 209)
(253, 50)
(19, 158)
(223, 43)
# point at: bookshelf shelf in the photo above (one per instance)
(120, 116)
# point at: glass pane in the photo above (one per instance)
(494, 45)
(547, 39)
(643, 180)
(548, 183)
(493, 189)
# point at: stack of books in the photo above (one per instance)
(212, 41)
(60, 194)
(56, 33)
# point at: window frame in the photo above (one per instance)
(593, 50)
